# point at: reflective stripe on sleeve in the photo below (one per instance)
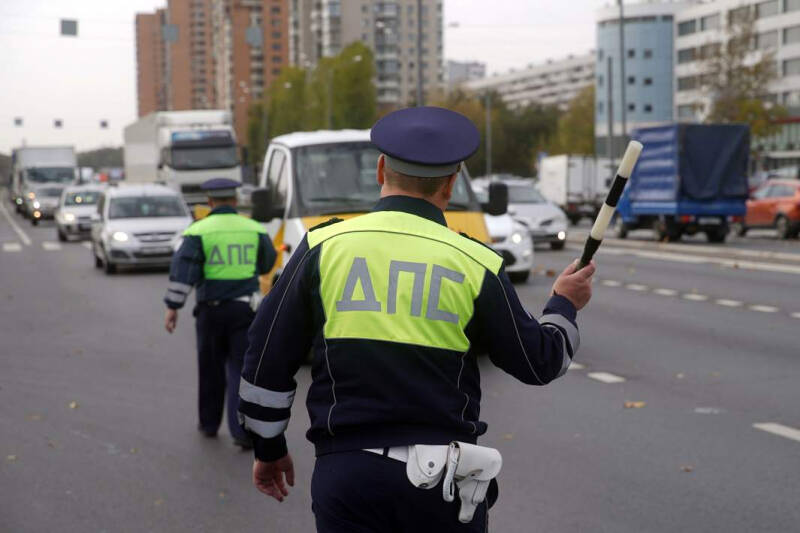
(176, 286)
(573, 337)
(267, 430)
(175, 297)
(566, 360)
(264, 397)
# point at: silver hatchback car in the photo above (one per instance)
(138, 225)
(76, 210)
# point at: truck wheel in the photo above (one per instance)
(739, 229)
(717, 235)
(620, 228)
(574, 219)
(519, 277)
(110, 268)
(783, 227)
(557, 245)
(34, 221)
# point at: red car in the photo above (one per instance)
(775, 204)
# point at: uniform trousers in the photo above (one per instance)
(361, 492)
(221, 344)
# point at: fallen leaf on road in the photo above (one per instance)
(634, 405)
(158, 502)
(715, 374)
(52, 444)
(631, 270)
(73, 405)
(687, 468)
(508, 436)
(550, 273)
(134, 450)
(36, 417)
(222, 495)
(11, 458)
(708, 410)
(680, 375)
(77, 351)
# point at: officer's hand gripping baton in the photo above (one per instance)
(607, 211)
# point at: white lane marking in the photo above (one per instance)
(665, 292)
(779, 429)
(729, 303)
(611, 283)
(22, 235)
(12, 247)
(51, 246)
(764, 308)
(695, 297)
(605, 377)
(795, 315)
(576, 366)
(87, 245)
(636, 287)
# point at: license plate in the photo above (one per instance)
(155, 251)
(709, 221)
(84, 227)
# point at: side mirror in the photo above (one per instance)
(498, 199)
(263, 210)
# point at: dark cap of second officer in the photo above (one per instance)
(220, 187)
(425, 142)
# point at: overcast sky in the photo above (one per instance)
(93, 77)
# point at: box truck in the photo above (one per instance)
(690, 178)
(38, 173)
(182, 149)
(576, 183)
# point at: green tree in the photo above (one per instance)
(576, 126)
(738, 73)
(101, 158)
(256, 134)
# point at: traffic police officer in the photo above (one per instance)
(396, 308)
(222, 255)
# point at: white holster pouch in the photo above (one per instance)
(255, 300)
(467, 466)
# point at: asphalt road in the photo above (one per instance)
(97, 402)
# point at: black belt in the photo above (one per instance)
(215, 303)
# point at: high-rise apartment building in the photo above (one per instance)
(555, 82)
(459, 72)
(405, 36)
(211, 54)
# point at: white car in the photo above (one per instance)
(546, 221)
(138, 225)
(75, 211)
(509, 238)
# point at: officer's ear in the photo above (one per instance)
(449, 186)
(381, 175)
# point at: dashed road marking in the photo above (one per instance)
(12, 247)
(51, 246)
(695, 297)
(22, 235)
(779, 429)
(636, 287)
(665, 292)
(87, 245)
(576, 366)
(795, 315)
(729, 303)
(611, 283)
(605, 377)
(764, 308)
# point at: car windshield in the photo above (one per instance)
(340, 178)
(146, 207)
(50, 175)
(524, 194)
(81, 198)
(203, 157)
(49, 192)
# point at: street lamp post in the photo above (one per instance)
(622, 79)
(420, 97)
(488, 133)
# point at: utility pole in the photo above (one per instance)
(420, 97)
(610, 113)
(488, 133)
(623, 81)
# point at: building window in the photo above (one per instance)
(276, 35)
(688, 83)
(767, 40)
(767, 9)
(710, 22)
(276, 72)
(648, 54)
(709, 50)
(631, 53)
(687, 55)
(631, 80)
(740, 14)
(276, 46)
(648, 81)
(792, 5)
(791, 34)
(666, 18)
(648, 108)
(686, 111)
(600, 53)
(687, 28)
(600, 80)
(791, 67)
(631, 107)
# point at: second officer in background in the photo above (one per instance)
(222, 255)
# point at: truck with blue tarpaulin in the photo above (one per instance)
(690, 178)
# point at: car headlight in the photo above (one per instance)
(516, 237)
(31, 195)
(562, 235)
(36, 204)
(69, 217)
(120, 236)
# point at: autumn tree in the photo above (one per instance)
(576, 126)
(737, 74)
